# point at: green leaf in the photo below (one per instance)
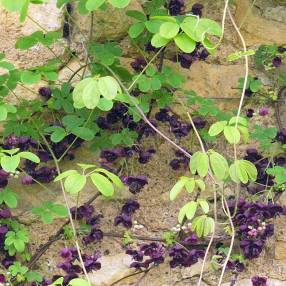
(29, 77)
(104, 186)
(30, 156)
(3, 113)
(249, 168)
(10, 164)
(255, 85)
(217, 128)
(105, 104)
(189, 26)
(83, 133)
(108, 87)
(119, 3)
(92, 5)
(219, 165)
(231, 134)
(158, 41)
(115, 179)
(136, 29)
(9, 198)
(79, 282)
(137, 15)
(169, 30)
(75, 183)
(91, 94)
(188, 210)
(199, 163)
(233, 172)
(185, 43)
(153, 26)
(12, 6)
(65, 174)
(24, 11)
(6, 65)
(78, 92)
(190, 185)
(177, 188)
(204, 205)
(34, 276)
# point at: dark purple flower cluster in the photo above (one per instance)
(263, 180)
(3, 178)
(197, 9)
(176, 7)
(180, 161)
(111, 155)
(259, 281)
(45, 92)
(177, 127)
(86, 213)
(71, 266)
(187, 59)
(135, 183)
(253, 226)
(281, 136)
(138, 64)
(125, 216)
(148, 254)
(21, 142)
(183, 257)
(249, 113)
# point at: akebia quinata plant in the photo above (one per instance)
(111, 109)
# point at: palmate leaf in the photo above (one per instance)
(75, 183)
(169, 30)
(104, 186)
(177, 188)
(199, 163)
(188, 210)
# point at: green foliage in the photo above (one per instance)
(184, 31)
(169, 237)
(10, 159)
(279, 174)
(238, 55)
(243, 171)
(87, 92)
(15, 241)
(79, 281)
(264, 135)
(199, 163)
(219, 165)
(9, 198)
(203, 225)
(232, 133)
(253, 84)
(125, 137)
(49, 210)
(127, 238)
(101, 178)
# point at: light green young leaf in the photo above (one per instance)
(10, 164)
(177, 188)
(64, 175)
(74, 183)
(187, 210)
(115, 179)
(91, 94)
(169, 30)
(199, 163)
(30, 156)
(204, 205)
(190, 185)
(185, 43)
(78, 92)
(108, 87)
(158, 41)
(119, 3)
(92, 5)
(79, 282)
(250, 169)
(217, 128)
(29, 77)
(219, 165)
(103, 185)
(231, 134)
(3, 113)
(136, 29)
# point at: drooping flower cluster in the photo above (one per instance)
(259, 281)
(135, 183)
(181, 160)
(252, 220)
(147, 255)
(125, 216)
(86, 213)
(71, 266)
(177, 127)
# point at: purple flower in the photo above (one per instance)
(249, 113)
(251, 248)
(46, 92)
(259, 281)
(135, 183)
(6, 213)
(138, 64)
(264, 111)
(124, 219)
(277, 62)
(130, 207)
(176, 7)
(2, 278)
(197, 9)
(27, 180)
(91, 262)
